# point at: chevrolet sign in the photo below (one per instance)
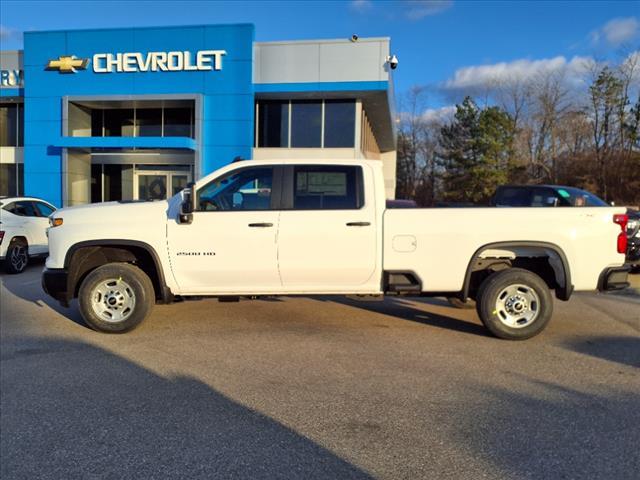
(158, 61)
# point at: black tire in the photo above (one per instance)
(116, 298)
(457, 303)
(17, 256)
(531, 301)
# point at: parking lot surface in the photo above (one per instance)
(317, 388)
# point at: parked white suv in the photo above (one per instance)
(23, 231)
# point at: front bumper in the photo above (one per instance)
(55, 284)
(614, 278)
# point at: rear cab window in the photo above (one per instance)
(327, 187)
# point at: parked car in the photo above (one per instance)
(560, 196)
(23, 231)
(323, 229)
(544, 196)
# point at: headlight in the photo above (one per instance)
(55, 222)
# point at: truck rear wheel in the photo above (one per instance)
(116, 298)
(514, 304)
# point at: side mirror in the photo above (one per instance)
(187, 205)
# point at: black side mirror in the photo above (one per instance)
(187, 207)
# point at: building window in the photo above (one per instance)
(118, 122)
(143, 119)
(178, 122)
(305, 123)
(11, 179)
(148, 122)
(339, 123)
(273, 129)
(11, 130)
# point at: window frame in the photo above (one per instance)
(288, 188)
(276, 189)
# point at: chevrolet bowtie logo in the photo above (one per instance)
(68, 64)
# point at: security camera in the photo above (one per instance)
(354, 38)
(393, 62)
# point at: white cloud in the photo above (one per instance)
(361, 5)
(410, 9)
(617, 31)
(418, 9)
(522, 70)
(439, 115)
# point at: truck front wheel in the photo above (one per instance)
(514, 304)
(115, 298)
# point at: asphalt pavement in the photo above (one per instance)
(308, 388)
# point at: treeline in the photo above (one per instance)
(546, 129)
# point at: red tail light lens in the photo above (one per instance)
(1, 236)
(622, 220)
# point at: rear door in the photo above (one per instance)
(327, 240)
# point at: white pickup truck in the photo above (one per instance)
(256, 228)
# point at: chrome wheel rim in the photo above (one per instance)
(517, 306)
(19, 257)
(113, 300)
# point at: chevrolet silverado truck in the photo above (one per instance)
(267, 228)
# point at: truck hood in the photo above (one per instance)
(138, 212)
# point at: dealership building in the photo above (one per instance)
(137, 113)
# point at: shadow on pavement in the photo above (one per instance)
(624, 350)
(405, 309)
(554, 432)
(27, 286)
(71, 410)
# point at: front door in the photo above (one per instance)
(159, 184)
(230, 247)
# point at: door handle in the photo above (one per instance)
(358, 224)
(261, 225)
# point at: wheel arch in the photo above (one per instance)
(556, 256)
(83, 257)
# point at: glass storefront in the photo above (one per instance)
(122, 182)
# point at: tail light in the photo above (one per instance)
(1, 236)
(622, 220)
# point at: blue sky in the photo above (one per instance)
(438, 42)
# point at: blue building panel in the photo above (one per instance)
(226, 118)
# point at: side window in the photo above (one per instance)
(335, 187)
(43, 209)
(10, 207)
(513, 197)
(24, 209)
(246, 189)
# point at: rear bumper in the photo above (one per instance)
(614, 278)
(55, 284)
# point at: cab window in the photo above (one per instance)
(247, 189)
(327, 187)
